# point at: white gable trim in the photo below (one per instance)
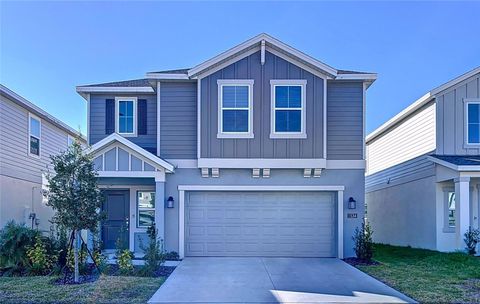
(256, 43)
(115, 89)
(115, 137)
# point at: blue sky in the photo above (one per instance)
(47, 48)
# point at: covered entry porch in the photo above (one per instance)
(133, 181)
(458, 199)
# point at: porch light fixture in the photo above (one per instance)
(352, 203)
(170, 202)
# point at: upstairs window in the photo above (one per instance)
(126, 116)
(235, 108)
(34, 130)
(473, 121)
(288, 109)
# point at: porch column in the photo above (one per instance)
(160, 207)
(462, 209)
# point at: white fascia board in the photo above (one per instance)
(41, 113)
(115, 137)
(164, 76)
(419, 103)
(258, 188)
(400, 116)
(346, 164)
(242, 163)
(356, 76)
(258, 40)
(115, 90)
(158, 175)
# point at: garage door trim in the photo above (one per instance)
(181, 206)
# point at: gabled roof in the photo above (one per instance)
(127, 86)
(114, 137)
(418, 104)
(457, 162)
(126, 83)
(39, 112)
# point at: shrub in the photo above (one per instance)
(14, 241)
(472, 238)
(154, 255)
(41, 261)
(124, 260)
(172, 256)
(363, 242)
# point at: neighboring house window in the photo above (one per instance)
(449, 213)
(146, 208)
(288, 108)
(70, 140)
(473, 121)
(34, 138)
(235, 108)
(126, 116)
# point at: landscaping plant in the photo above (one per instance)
(154, 253)
(74, 195)
(41, 261)
(124, 260)
(14, 241)
(472, 238)
(363, 242)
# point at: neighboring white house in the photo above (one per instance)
(423, 169)
(28, 136)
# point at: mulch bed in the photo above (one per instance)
(360, 262)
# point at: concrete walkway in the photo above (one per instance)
(272, 280)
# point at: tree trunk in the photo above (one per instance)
(77, 237)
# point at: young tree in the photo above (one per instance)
(73, 193)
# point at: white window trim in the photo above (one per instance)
(144, 209)
(117, 100)
(446, 227)
(30, 116)
(468, 101)
(288, 82)
(235, 82)
(70, 138)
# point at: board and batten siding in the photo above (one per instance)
(345, 120)
(412, 137)
(178, 120)
(262, 146)
(451, 135)
(15, 161)
(98, 116)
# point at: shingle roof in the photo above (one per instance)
(459, 160)
(178, 71)
(351, 72)
(126, 83)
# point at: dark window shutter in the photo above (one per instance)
(142, 116)
(110, 116)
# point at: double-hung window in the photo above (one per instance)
(288, 108)
(34, 137)
(126, 116)
(235, 108)
(472, 107)
(145, 208)
(70, 140)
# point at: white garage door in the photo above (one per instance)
(293, 224)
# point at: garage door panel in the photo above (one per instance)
(260, 224)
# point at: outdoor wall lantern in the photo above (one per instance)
(352, 203)
(170, 202)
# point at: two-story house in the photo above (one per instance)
(28, 136)
(258, 151)
(423, 169)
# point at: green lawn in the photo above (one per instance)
(428, 276)
(107, 289)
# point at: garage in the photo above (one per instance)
(256, 223)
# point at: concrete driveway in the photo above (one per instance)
(272, 280)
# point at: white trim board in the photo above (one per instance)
(181, 206)
(115, 90)
(273, 163)
(116, 137)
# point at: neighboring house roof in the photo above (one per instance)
(126, 83)
(457, 162)
(418, 104)
(114, 137)
(127, 86)
(39, 112)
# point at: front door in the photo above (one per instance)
(115, 225)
